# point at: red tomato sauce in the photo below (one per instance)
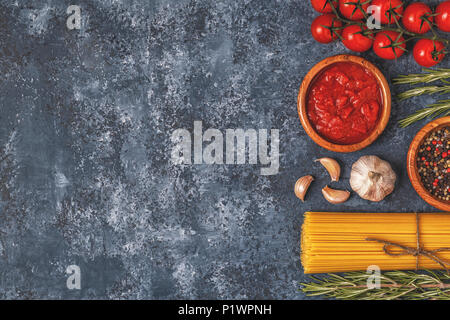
(344, 103)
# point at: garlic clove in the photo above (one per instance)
(335, 196)
(302, 185)
(332, 166)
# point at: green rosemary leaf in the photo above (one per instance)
(440, 108)
(429, 75)
(424, 90)
(393, 285)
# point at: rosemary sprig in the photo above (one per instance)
(430, 75)
(393, 285)
(424, 90)
(440, 108)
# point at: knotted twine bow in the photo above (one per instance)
(416, 252)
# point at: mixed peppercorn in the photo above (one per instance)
(433, 162)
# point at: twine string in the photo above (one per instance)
(416, 252)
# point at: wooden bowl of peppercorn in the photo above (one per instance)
(428, 163)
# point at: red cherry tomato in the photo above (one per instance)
(323, 6)
(356, 41)
(351, 11)
(319, 29)
(385, 38)
(384, 5)
(415, 18)
(428, 53)
(443, 16)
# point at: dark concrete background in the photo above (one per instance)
(85, 172)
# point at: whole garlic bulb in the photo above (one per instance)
(372, 178)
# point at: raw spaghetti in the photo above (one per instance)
(336, 241)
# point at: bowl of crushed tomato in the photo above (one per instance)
(428, 163)
(344, 103)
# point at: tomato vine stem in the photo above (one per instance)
(399, 29)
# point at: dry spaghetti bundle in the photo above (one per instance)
(338, 242)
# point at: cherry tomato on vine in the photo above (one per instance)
(383, 7)
(355, 41)
(351, 11)
(428, 53)
(323, 6)
(415, 18)
(386, 38)
(443, 16)
(320, 25)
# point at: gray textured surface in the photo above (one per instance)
(85, 125)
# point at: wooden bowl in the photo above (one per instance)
(413, 171)
(385, 109)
